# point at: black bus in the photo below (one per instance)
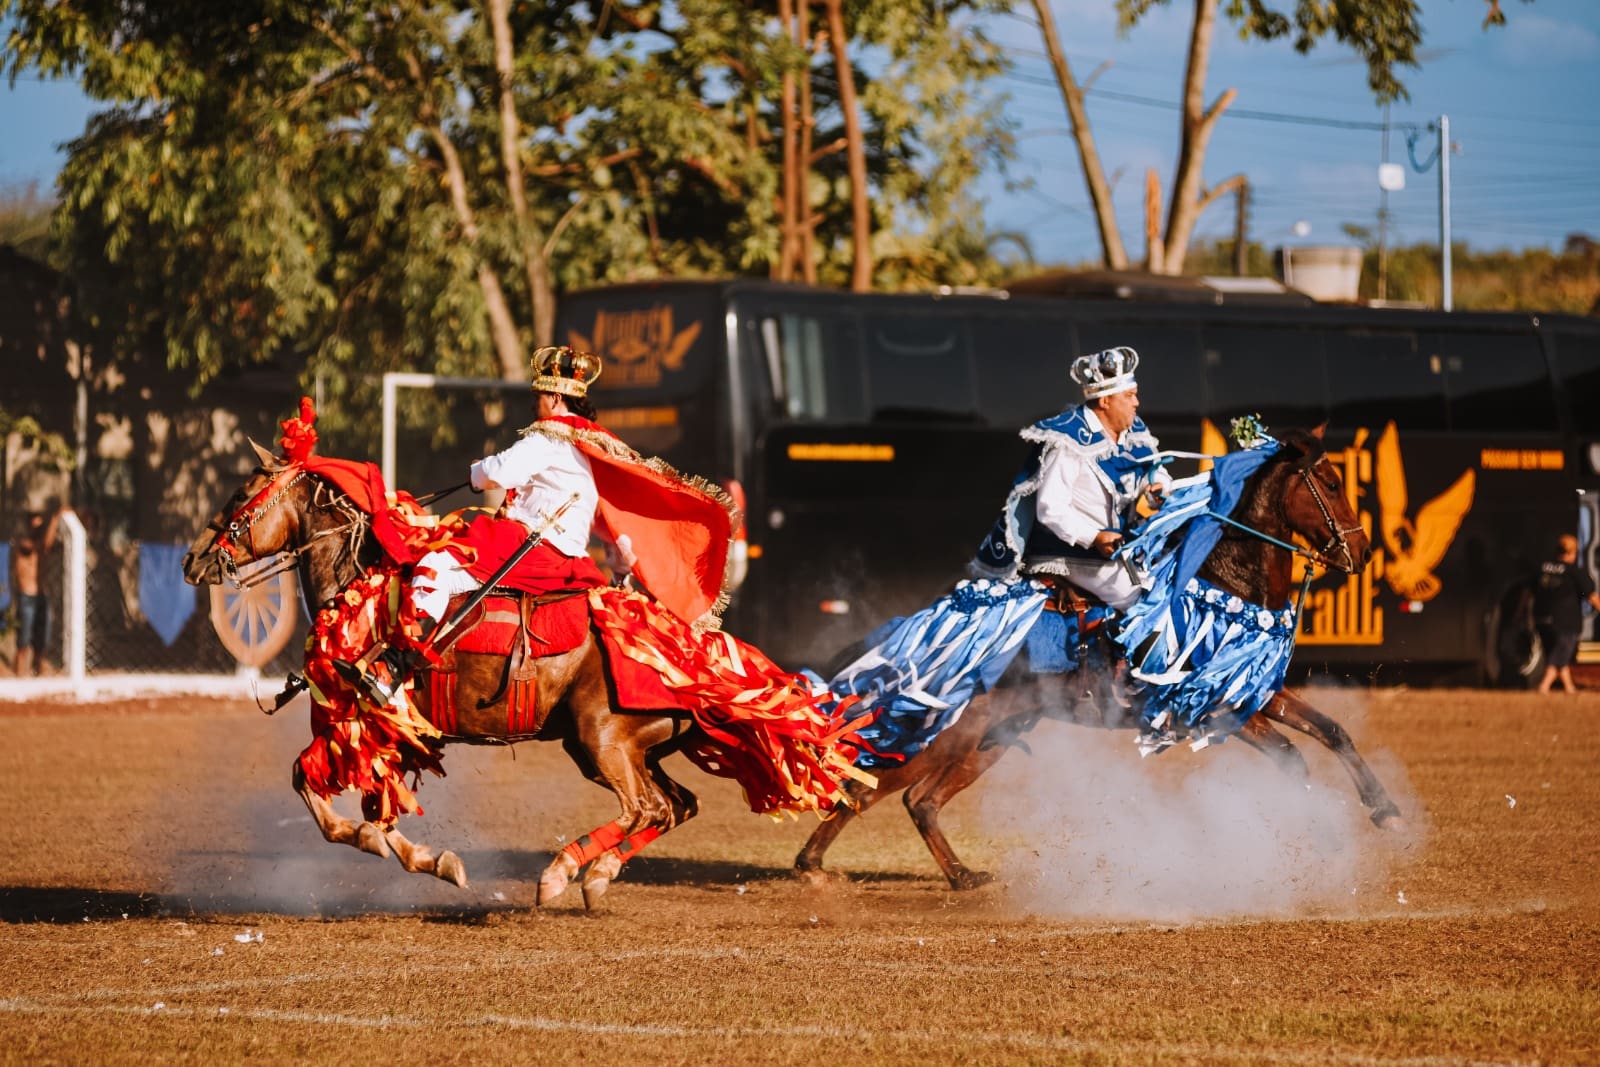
(874, 437)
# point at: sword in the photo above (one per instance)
(451, 628)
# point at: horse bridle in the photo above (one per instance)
(243, 522)
(1339, 533)
(1321, 555)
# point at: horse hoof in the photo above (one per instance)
(1389, 819)
(370, 838)
(449, 867)
(551, 885)
(593, 890)
(818, 878)
(965, 879)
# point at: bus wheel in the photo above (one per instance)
(1515, 656)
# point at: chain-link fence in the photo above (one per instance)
(126, 609)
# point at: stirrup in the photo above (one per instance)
(380, 674)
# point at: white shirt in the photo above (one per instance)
(1076, 500)
(544, 473)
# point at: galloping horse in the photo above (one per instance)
(283, 508)
(1297, 491)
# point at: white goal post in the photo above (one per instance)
(392, 383)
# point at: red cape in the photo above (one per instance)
(680, 526)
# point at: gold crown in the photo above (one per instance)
(563, 369)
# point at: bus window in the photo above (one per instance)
(1495, 381)
(1378, 376)
(919, 364)
(813, 366)
(1272, 371)
(1022, 368)
(1172, 385)
(1578, 360)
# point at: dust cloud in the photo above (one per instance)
(256, 848)
(1088, 829)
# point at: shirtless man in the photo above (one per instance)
(33, 607)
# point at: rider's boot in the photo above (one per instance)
(386, 667)
(381, 673)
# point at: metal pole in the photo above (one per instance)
(387, 462)
(1444, 209)
(1383, 219)
(1241, 230)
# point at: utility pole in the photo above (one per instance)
(1444, 208)
(1383, 217)
(1241, 231)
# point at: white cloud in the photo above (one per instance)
(1529, 39)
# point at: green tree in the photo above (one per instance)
(361, 184)
(366, 187)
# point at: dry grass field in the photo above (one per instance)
(166, 900)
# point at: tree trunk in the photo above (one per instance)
(541, 290)
(808, 122)
(1111, 251)
(789, 193)
(1154, 259)
(502, 328)
(861, 274)
(1198, 122)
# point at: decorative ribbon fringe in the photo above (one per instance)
(920, 672)
(356, 745)
(765, 728)
(1204, 658)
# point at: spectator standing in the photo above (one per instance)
(34, 610)
(1559, 592)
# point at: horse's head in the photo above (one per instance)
(1315, 507)
(261, 519)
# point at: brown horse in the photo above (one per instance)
(1298, 491)
(329, 540)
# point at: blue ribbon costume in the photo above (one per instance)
(920, 672)
(1204, 659)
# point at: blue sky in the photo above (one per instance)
(1520, 100)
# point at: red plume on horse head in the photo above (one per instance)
(299, 433)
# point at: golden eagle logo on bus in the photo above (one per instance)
(637, 345)
(1411, 548)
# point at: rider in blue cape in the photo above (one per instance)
(1045, 577)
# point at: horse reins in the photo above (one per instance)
(243, 521)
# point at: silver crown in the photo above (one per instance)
(1106, 372)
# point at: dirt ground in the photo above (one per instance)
(166, 899)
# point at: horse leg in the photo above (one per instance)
(1297, 714)
(1260, 735)
(616, 747)
(366, 836)
(685, 806)
(925, 799)
(859, 797)
(420, 859)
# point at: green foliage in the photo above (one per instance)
(1535, 279)
(54, 449)
(323, 184)
(1384, 33)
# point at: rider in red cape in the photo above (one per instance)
(565, 476)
